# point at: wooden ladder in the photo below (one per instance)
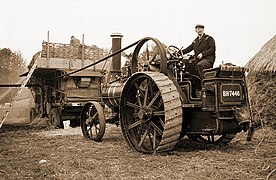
(18, 93)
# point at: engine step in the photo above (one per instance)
(208, 130)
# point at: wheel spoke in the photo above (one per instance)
(87, 121)
(139, 89)
(135, 124)
(94, 115)
(143, 138)
(89, 128)
(161, 122)
(152, 59)
(150, 139)
(153, 99)
(158, 113)
(91, 131)
(146, 95)
(140, 129)
(154, 138)
(156, 128)
(212, 138)
(147, 51)
(96, 130)
(139, 101)
(130, 104)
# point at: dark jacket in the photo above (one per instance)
(206, 46)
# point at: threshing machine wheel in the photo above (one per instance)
(226, 138)
(150, 112)
(93, 121)
(55, 117)
(41, 110)
(32, 114)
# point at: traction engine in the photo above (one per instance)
(162, 99)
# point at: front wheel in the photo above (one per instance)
(93, 121)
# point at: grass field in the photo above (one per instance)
(31, 152)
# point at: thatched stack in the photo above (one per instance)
(261, 81)
(67, 51)
(265, 59)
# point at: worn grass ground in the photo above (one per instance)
(29, 152)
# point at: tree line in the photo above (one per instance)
(12, 64)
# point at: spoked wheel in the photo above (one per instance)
(224, 139)
(150, 112)
(93, 121)
(149, 55)
(41, 110)
(55, 117)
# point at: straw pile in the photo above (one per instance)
(66, 51)
(261, 84)
(265, 59)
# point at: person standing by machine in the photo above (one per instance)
(74, 41)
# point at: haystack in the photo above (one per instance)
(261, 81)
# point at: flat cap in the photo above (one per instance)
(199, 25)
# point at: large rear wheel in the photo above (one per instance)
(150, 112)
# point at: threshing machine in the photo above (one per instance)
(58, 93)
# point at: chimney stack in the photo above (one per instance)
(116, 60)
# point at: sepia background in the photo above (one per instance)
(240, 27)
(244, 31)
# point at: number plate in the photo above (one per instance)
(231, 93)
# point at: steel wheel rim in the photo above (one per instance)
(144, 120)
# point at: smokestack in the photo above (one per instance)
(116, 60)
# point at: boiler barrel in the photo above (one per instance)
(111, 97)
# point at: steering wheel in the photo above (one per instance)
(174, 52)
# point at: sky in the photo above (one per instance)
(240, 27)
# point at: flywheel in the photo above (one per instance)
(150, 112)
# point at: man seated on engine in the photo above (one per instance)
(204, 50)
